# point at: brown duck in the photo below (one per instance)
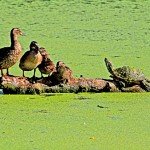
(31, 59)
(10, 55)
(47, 65)
(63, 74)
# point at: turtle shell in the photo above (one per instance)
(128, 74)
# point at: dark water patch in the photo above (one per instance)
(21, 5)
(31, 98)
(100, 106)
(103, 3)
(117, 7)
(148, 21)
(90, 55)
(87, 2)
(136, 7)
(41, 111)
(29, 1)
(34, 23)
(43, 132)
(122, 110)
(74, 105)
(22, 110)
(47, 95)
(4, 103)
(114, 118)
(116, 56)
(82, 98)
(51, 54)
(110, 1)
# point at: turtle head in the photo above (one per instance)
(109, 65)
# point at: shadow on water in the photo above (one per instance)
(116, 56)
(52, 94)
(41, 111)
(82, 98)
(91, 55)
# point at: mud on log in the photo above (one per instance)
(24, 85)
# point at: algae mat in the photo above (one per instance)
(81, 33)
(75, 121)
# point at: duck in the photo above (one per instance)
(63, 73)
(47, 66)
(31, 58)
(10, 55)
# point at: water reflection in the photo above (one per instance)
(1, 91)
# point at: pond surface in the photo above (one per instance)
(81, 33)
(75, 121)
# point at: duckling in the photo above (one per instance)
(10, 55)
(31, 59)
(63, 74)
(47, 66)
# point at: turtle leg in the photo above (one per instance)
(135, 88)
(120, 84)
(146, 85)
(148, 80)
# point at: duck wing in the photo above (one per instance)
(24, 57)
(4, 53)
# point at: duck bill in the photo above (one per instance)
(21, 33)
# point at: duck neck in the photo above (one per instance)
(14, 42)
(35, 51)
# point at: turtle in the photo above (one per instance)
(127, 76)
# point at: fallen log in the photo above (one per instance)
(24, 85)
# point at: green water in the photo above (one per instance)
(74, 121)
(81, 33)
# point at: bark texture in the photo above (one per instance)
(24, 85)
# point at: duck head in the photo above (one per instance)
(60, 63)
(16, 31)
(60, 67)
(34, 46)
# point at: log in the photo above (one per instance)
(24, 85)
